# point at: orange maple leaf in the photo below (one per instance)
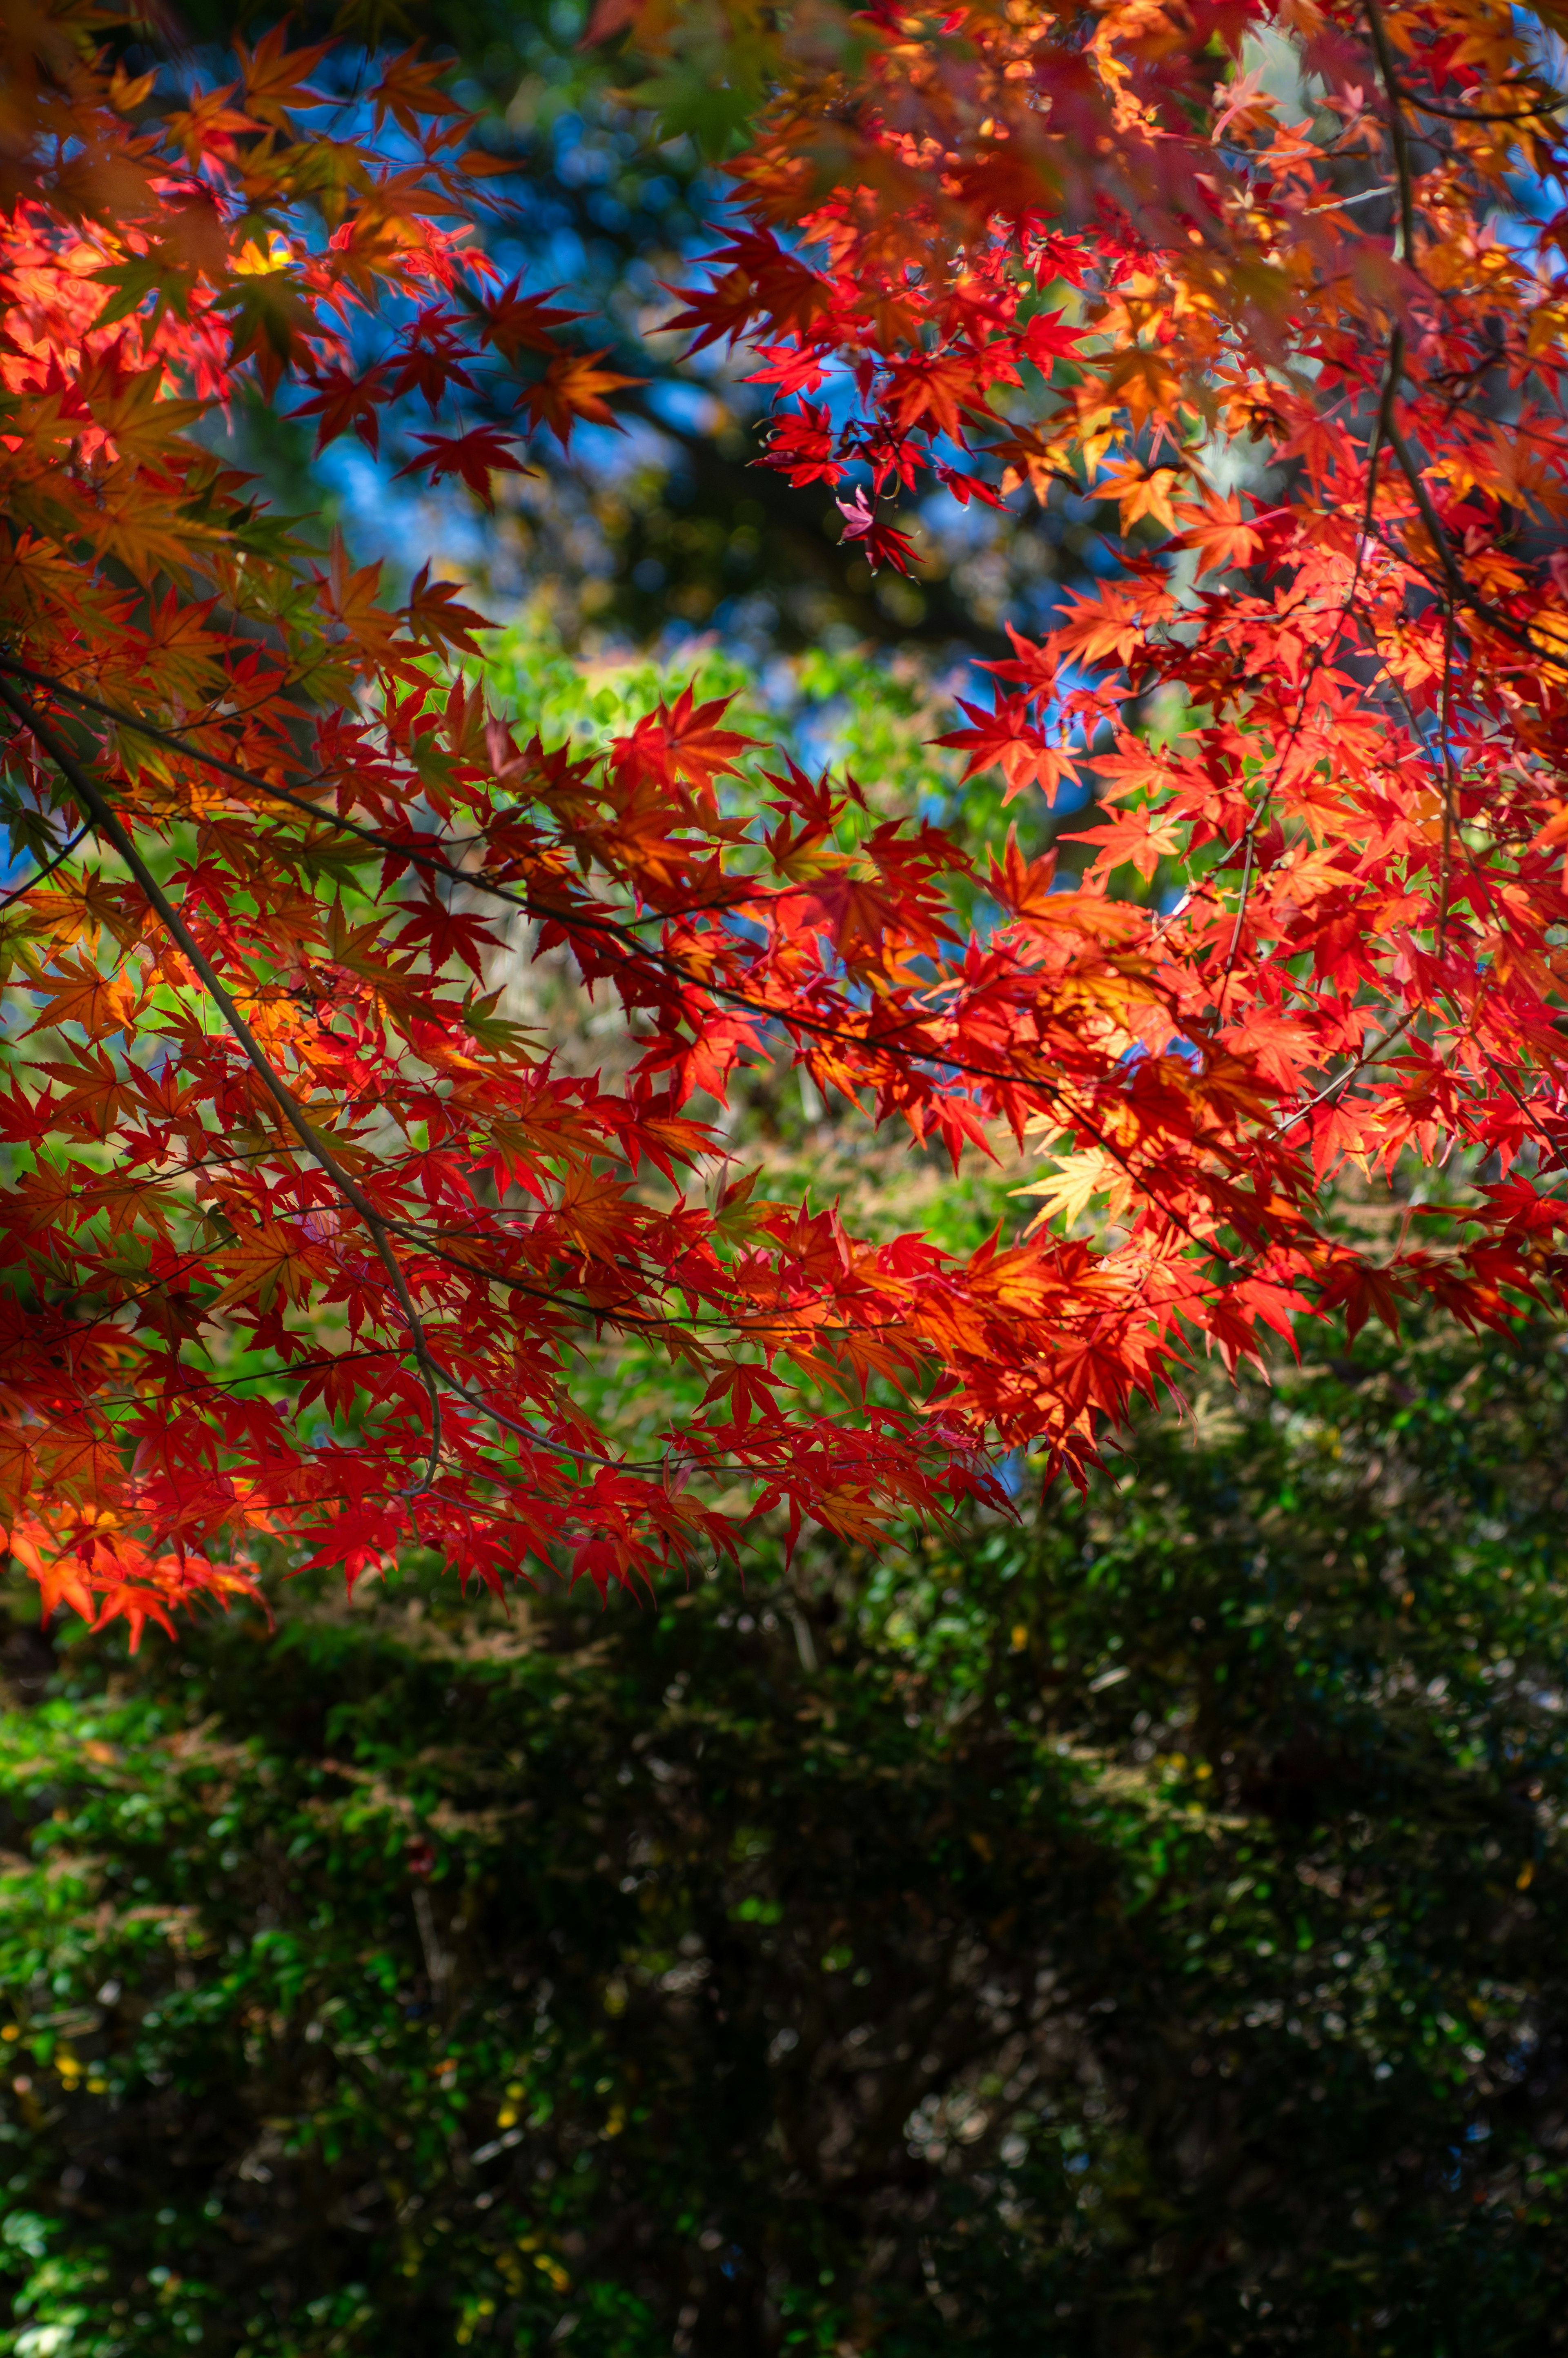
(573, 387)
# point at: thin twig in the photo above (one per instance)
(18, 892)
(1342, 204)
(1369, 1057)
(1474, 114)
(543, 1440)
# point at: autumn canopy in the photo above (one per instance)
(303, 1236)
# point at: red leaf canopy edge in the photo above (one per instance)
(263, 1110)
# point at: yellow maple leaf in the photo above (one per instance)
(1067, 1192)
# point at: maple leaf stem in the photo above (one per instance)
(168, 1391)
(101, 818)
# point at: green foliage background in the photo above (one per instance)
(1139, 1930)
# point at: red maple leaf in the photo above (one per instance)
(881, 543)
(475, 456)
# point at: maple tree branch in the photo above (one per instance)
(616, 930)
(167, 1390)
(758, 1329)
(1450, 777)
(1397, 129)
(1458, 586)
(415, 853)
(1438, 531)
(104, 823)
(1517, 634)
(1507, 1079)
(425, 1362)
(1393, 92)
